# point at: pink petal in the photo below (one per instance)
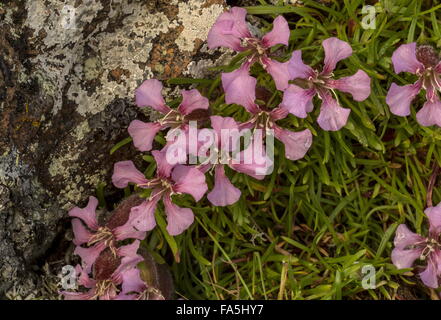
(298, 101)
(142, 217)
(189, 180)
(438, 68)
(430, 113)
(192, 100)
(143, 134)
(240, 88)
(132, 281)
(296, 144)
(229, 29)
(89, 255)
(176, 148)
(129, 251)
(332, 117)
(358, 85)
(222, 35)
(335, 50)
(279, 71)
(223, 193)
(178, 219)
(125, 172)
(127, 263)
(83, 278)
(78, 295)
(404, 259)
(296, 67)
(430, 275)
(127, 231)
(405, 238)
(253, 161)
(82, 235)
(225, 129)
(163, 167)
(434, 215)
(88, 214)
(399, 98)
(278, 113)
(149, 94)
(279, 34)
(404, 59)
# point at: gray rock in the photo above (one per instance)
(68, 71)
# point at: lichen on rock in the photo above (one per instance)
(67, 78)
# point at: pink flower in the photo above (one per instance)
(410, 246)
(240, 88)
(108, 274)
(298, 101)
(169, 180)
(149, 94)
(231, 31)
(134, 288)
(99, 237)
(225, 152)
(425, 63)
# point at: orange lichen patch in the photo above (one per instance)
(116, 74)
(166, 60)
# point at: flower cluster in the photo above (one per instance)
(113, 265)
(109, 267)
(425, 63)
(410, 247)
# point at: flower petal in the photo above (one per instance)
(278, 113)
(358, 85)
(223, 193)
(189, 180)
(178, 219)
(279, 34)
(430, 113)
(296, 144)
(129, 251)
(83, 278)
(253, 161)
(225, 129)
(298, 101)
(88, 214)
(404, 59)
(335, 50)
(332, 116)
(89, 255)
(296, 67)
(127, 231)
(229, 29)
(163, 167)
(142, 217)
(404, 259)
(279, 71)
(399, 98)
(240, 88)
(430, 275)
(434, 215)
(148, 94)
(222, 35)
(82, 235)
(192, 100)
(404, 237)
(132, 281)
(125, 172)
(88, 295)
(143, 134)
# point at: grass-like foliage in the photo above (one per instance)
(308, 230)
